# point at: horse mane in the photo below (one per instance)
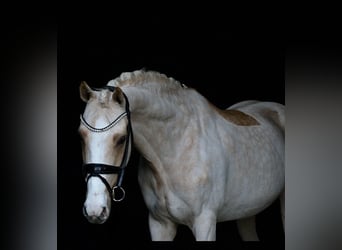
(146, 78)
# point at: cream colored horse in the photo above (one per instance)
(199, 165)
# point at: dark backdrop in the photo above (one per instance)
(222, 67)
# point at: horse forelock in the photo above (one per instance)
(101, 109)
(102, 98)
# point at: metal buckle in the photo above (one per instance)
(122, 191)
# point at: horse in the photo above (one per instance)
(199, 164)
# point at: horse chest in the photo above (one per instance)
(164, 202)
(178, 209)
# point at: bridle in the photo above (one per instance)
(117, 193)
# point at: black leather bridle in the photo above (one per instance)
(117, 193)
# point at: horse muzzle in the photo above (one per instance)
(98, 216)
(96, 212)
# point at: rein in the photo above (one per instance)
(117, 193)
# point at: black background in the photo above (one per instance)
(222, 66)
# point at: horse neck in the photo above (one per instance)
(161, 123)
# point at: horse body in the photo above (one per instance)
(213, 171)
(201, 165)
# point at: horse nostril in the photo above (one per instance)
(85, 211)
(103, 213)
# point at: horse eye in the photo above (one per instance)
(121, 140)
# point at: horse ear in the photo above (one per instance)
(118, 96)
(85, 91)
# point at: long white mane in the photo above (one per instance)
(145, 79)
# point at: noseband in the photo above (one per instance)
(117, 193)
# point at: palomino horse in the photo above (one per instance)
(199, 164)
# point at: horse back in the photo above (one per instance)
(271, 111)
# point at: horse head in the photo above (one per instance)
(106, 138)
